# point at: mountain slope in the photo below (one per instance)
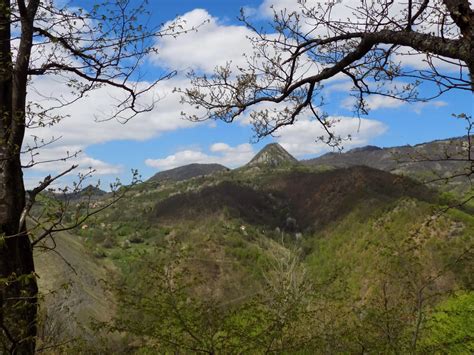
(360, 231)
(426, 161)
(217, 254)
(272, 155)
(310, 199)
(238, 200)
(90, 192)
(316, 199)
(72, 287)
(187, 172)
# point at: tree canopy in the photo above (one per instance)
(86, 48)
(385, 48)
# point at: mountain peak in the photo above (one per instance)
(273, 155)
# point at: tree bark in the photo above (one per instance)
(18, 288)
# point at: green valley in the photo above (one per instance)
(273, 257)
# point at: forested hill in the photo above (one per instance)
(187, 172)
(431, 160)
(271, 257)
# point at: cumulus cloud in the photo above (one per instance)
(53, 160)
(216, 44)
(221, 153)
(269, 7)
(340, 11)
(300, 138)
(419, 106)
(345, 10)
(408, 57)
(82, 124)
(374, 102)
(213, 44)
(57, 159)
(377, 102)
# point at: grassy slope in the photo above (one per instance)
(70, 282)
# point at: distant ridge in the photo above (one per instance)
(367, 148)
(272, 155)
(407, 159)
(90, 192)
(187, 172)
(400, 159)
(314, 199)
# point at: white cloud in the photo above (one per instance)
(300, 138)
(79, 128)
(348, 12)
(377, 102)
(340, 85)
(419, 106)
(344, 10)
(213, 44)
(58, 159)
(183, 157)
(408, 57)
(219, 148)
(223, 154)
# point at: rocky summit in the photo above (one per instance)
(273, 155)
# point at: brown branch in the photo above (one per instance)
(48, 180)
(53, 249)
(52, 229)
(64, 43)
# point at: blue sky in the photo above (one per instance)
(161, 139)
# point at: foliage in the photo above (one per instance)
(450, 327)
(178, 313)
(365, 286)
(219, 284)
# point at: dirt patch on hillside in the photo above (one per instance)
(71, 284)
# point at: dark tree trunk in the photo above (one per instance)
(18, 288)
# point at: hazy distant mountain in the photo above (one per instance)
(89, 192)
(438, 158)
(92, 191)
(272, 155)
(187, 172)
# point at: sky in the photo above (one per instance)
(161, 139)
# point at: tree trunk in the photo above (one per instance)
(18, 288)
